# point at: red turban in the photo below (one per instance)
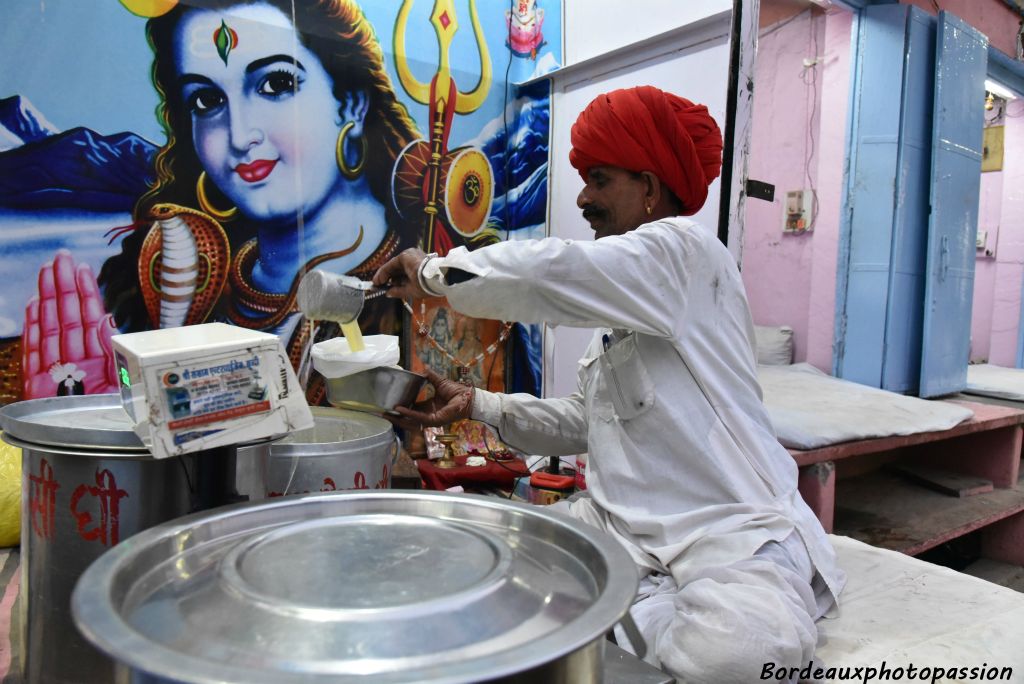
(647, 129)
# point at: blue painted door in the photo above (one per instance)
(881, 288)
(901, 363)
(961, 64)
(1020, 331)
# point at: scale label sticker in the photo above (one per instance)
(213, 390)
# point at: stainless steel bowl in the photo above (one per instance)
(377, 390)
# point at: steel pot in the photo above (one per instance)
(343, 450)
(88, 483)
(378, 586)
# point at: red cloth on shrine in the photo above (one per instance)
(647, 129)
(492, 474)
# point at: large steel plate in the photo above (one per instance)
(383, 586)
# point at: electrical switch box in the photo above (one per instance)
(798, 213)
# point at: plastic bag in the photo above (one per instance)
(333, 359)
(10, 495)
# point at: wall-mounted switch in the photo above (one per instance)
(798, 211)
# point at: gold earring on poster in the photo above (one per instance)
(205, 205)
(350, 172)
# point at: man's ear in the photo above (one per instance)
(652, 189)
(354, 107)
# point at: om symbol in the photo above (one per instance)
(471, 190)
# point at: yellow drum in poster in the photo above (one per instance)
(468, 190)
(466, 181)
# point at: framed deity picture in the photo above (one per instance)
(457, 346)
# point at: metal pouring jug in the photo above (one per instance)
(326, 296)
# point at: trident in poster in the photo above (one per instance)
(452, 188)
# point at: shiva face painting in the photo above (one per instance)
(261, 107)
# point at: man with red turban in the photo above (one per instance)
(683, 465)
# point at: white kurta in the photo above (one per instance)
(682, 457)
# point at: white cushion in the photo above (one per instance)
(774, 345)
(810, 409)
(995, 381)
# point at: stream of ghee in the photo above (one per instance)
(354, 336)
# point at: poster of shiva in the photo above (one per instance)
(173, 162)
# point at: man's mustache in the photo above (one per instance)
(591, 213)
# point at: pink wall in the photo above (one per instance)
(1009, 249)
(790, 278)
(989, 206)
(831, 179)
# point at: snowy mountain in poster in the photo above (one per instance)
(74, 169)
(517, 145)
(21, 123)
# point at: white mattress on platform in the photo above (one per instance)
(899, 610)
(810, 409)
(995, 381)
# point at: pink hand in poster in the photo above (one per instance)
(66, 347)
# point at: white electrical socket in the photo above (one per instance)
(796, 215)
(981, 239)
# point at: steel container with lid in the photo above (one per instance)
(343, 450)
(89, 482)
(371, 586)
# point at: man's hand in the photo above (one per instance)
(452, 401)
(66, 328)
(400, 275)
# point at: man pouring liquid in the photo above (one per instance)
(684, 468)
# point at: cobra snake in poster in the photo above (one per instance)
(180, 269)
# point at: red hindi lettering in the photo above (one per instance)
(329, 485)
(42, 500)
(360, 480)
(382, 483)
(107, 531)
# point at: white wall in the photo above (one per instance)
(691, 61)
(596, 27)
